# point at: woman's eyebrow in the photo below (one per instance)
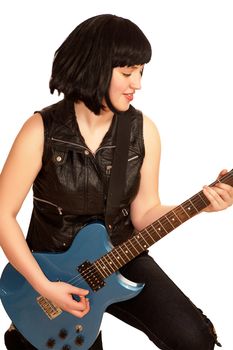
(136, 66)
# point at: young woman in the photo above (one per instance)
(65, 152)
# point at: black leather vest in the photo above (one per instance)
(71, 188)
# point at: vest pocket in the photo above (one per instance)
(108, 167)
(50, 204)
(59, 157)
(133, 158)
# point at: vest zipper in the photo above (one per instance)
(77, 144)
(132, 158)
(108, 169)
(72, 144)
(103, 147)
(59, 209)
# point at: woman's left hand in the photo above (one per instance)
(219, 195)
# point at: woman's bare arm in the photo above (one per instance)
(21, 168)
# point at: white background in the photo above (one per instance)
(187, 91)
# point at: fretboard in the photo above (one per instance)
(145, 238)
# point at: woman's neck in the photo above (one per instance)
(92, 127)
(85, 116)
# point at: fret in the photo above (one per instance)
(138, 247)
(104, 267)
(182, 215)
(192, 202)
(118, 257)
(170, 222)
(161, 225)
(125, 253)
(173, 219)
(100, 270)
(198, 203)
(137, 252)
(189, 208)
(146, 244)
(149, 235)
(168, 227)
(204, 200)
(137, 237)
(127, 250)
(120, 261)
(113, 259)
(186, 210)
(227, 179)
(108, 263)
(176, 213)
(142, 240)
(157, 229)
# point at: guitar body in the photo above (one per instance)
(90, 263)
(44, 325)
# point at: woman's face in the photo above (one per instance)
(124, 82)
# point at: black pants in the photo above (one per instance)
(169, 319)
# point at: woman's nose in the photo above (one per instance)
(136, 82)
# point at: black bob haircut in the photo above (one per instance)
(82, 66)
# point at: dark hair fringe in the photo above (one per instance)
(82, 66)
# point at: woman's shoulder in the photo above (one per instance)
(31, 134)
(150, 130)
(139, 118)
(39, 121)
(33, 125)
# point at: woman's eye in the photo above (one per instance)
(126, 74)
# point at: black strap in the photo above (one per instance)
(118, 174)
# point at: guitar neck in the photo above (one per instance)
(142, 240)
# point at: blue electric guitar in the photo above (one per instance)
(90, 263)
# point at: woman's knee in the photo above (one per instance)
(194, 334)
(196, 341)
(198, 337)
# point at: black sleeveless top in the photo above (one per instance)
(71, 188)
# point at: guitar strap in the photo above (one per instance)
(119, 166)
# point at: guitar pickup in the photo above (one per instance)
(91, 275)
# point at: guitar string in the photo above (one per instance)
(89, 272)
(134, 241)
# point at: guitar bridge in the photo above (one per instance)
(91, 275)
(51, 310)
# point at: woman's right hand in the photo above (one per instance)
(62, 295)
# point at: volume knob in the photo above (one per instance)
(66, 347)
(63, 333)
(50, 343)
(79, 340)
